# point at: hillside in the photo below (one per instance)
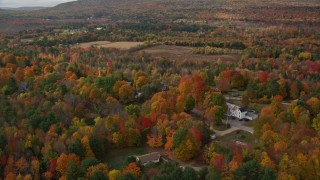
(111, 11)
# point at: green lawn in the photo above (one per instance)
(249, 123)
(116, 158)
(238, 135)
(221, 127)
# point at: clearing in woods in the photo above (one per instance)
(185, 53)
(108, 44)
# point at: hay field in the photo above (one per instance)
(123, 45)
(185, 53)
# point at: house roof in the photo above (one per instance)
(243, 109)
(229, 101)
(149, 157)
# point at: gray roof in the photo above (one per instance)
(149, 157)
(243, 109)
(229, 101)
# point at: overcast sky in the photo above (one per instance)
(28, 3)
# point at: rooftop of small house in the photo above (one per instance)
(148, 157)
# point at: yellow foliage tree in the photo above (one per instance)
(28, 141)
(99, 167)
(85, 142)
(63, 161)
(233, 165)
(117, 86)
(155, 141)
(118, 139)
(126, 93)
(140, 81)
(185, 151)
(35, 167)
(114, 175)
(316, 123)
(180, 104)
(209, 152)
(266, 161)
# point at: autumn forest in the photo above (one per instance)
(92, 89)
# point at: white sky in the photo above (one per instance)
(27, 3)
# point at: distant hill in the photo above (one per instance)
(85, 8)
(129, 12)
(24, 8)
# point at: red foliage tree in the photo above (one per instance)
(146, 123)
(263, 76)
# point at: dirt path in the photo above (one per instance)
(222, 133)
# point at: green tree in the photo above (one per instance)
(213, 174)
(3, 142)
(189, 174)
(34, 118)
(128, 176)
(106, 83)
(190, 104)
(72, 172)
(245, 99)
(273, 87)
(11, 87)
(97, 146)
(51, 118)
(203, 173)
(215, 99)
(179, 136)
(88, 162)
(286, 117)
(134, 137)
(7, 112)
(133, 110)
(77, 148)
(219, 114)
(99, 175)
(269, 174)
(250, 170)
(169, 171)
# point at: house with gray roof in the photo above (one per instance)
(240, 112)
(151, 157)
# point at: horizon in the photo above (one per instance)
(31, 3)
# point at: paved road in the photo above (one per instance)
(235, 125)
(222, 133)
(238, 124)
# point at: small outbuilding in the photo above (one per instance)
(151, 157)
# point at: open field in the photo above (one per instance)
(108, 44)
(185, 53)
(248, 123)
(116, 158)
(238, 135)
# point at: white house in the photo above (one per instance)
(240, 112)
(151, 157)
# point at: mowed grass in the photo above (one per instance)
(249, 123)
(238, 135)
(116, 158)
(221, 127)
(185, 53)
(108, 44)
